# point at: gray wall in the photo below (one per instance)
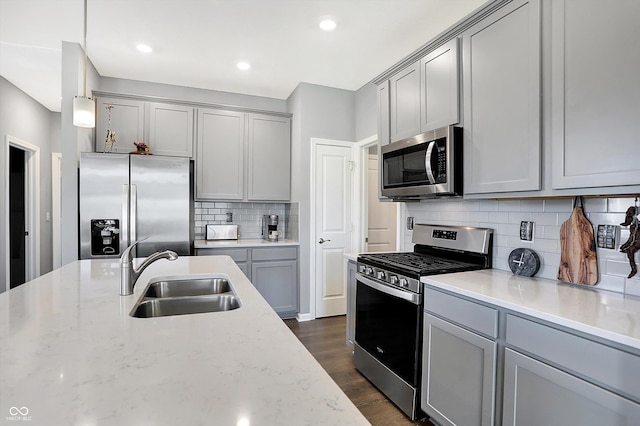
(318, 112)
(24, 118)
(366, 112)
(191, 94)
(73, 140)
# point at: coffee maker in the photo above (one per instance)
(270, 227)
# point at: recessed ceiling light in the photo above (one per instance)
(328, 24)
(243, 66)
(144, 48)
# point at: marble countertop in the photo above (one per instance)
(248, 243)
(71, 354)
(605, 314)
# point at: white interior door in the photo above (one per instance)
(381, 217)
(332, 227)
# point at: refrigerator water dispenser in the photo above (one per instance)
(105, 236)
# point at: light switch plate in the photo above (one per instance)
(526, 231)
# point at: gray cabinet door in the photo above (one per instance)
(458, 374)
(127, 121)
(501, 72)
(439, 84)
(351, 303)
(596, 93)
(170, 129)
(404, 92)
(220, 155)
(383, 113)
(269, 158)
(277, 282)
(538, 394)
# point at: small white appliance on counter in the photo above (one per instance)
(222, 232)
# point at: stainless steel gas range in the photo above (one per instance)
(389, 305)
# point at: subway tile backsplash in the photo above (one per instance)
(504, 217)
(248, 217)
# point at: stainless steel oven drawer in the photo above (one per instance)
(473, 316)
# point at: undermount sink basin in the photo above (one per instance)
(186, 294)
(152, 308)
(184, 286)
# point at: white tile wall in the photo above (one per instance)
(504, 217)
(248, 217)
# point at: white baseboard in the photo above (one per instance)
(304, 317)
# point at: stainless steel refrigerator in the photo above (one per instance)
(124, 198)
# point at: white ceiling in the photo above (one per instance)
(197, 43)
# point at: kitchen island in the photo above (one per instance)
(70, 353)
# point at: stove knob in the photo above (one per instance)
(393, 279)
(404, 283)
(361, 268)
(368, 270)
(380, 275)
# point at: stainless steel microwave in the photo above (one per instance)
(428, 165)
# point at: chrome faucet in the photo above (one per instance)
(129, 275)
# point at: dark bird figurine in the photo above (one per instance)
(633, 243)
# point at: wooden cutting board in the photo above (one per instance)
(578, 261)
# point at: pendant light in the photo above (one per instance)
(84, 108)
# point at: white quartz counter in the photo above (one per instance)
(608, 315)
(248, 243)
(71, 354)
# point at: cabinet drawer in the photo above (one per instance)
(474, 316)
(238, 255)
(274, 253)
(603, 364)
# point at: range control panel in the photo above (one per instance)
(445, 235)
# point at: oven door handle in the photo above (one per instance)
(409, 296)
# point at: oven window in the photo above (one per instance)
(405, 167)
(390, 330)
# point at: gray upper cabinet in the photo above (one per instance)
(404, 105)
(170, 129)
(439, 94)
(127, 122)
(502, 72)
(269, 158)
(220, 155)
(596, 93)
(166, 128)
(383, 113)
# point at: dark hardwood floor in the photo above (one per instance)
(325, 338)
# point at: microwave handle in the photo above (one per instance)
(427, 162)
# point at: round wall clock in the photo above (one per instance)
(523, 261)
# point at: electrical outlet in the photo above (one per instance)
(526, 231)
(229, 217)
(607, 236)
(409, 223)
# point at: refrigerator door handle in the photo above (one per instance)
(124, 226)
(134, 213)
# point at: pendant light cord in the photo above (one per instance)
(85, 48)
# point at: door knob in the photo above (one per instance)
(322, 241)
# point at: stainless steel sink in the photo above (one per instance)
(152, 308)
(186, 294)
(184, 286)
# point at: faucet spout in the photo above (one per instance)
(129, 274)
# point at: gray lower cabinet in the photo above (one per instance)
(501, 71)
(351, 303)
(596, 92)
(273, 272)
(536, 393)
(458, 364)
